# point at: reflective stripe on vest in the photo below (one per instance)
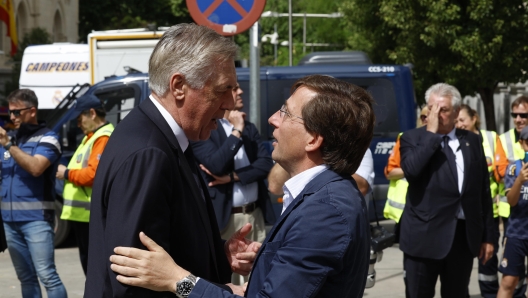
(489, 143)
(488, 278)
(40, 205)
(396, 199)
(77, 198)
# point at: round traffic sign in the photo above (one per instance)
(227, 17)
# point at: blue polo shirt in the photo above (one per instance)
(518, 223)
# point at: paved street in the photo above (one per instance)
(389, 281)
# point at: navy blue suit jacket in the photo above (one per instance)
(217, 154)
(319, 247)
(144, 183)
(429, 219)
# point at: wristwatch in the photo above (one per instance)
(237, 130)
(185, 286)
(8, 145)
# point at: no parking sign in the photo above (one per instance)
(227, 17)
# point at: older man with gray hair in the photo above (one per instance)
(447, 220)
(147, 180)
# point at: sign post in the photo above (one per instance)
(231, 17)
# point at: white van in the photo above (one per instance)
(52, 70)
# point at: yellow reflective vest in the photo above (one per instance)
(489, 143)
(77, 198)
(514, 152)
(396, 198)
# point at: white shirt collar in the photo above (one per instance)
(176, 129)
(293, 187)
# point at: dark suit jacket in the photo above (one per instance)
(429, 219)
(319, 247)
(217, 154)
(144, 183)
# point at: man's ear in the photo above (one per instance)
(177, 86)
(315, 143)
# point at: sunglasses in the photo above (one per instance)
(17, 112)
(522, 115)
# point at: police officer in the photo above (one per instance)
(80, 173)
(29, 160)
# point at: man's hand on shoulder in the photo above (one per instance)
(241, 252)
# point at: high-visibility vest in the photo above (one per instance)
(514, 151)
(396, 198)
(489, 143)
(77, 198)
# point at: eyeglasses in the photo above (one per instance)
(423, 117)
(17, 112)
(522, 115)
(284, 110)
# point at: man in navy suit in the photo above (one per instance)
(147, 179)
(447, 220)
(320, 245)
(235, 164)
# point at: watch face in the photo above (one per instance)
(185, 287)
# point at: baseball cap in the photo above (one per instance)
(84, 103)
(524, 133)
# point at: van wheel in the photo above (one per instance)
(62, 227)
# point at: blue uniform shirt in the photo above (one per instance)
(518, 223)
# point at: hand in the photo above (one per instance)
(486, 252)
(60, 172)
(218, 179)
(237, 119)
(241, 252)
(432, 118)
(4, 138)
(153, 269)
(523, 175)
(238, 290)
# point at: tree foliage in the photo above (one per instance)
(318, 30)
(107, 15)
(471, 44)
(35, 36)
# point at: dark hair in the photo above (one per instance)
(342, 114)
(472, 113)
(520, 100)
(26, 96)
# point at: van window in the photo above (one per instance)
(119, 102)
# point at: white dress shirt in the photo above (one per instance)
(242, 194)
(183, 141)
(293, 187)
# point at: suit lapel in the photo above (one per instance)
(155, 116)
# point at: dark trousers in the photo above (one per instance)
(81, 235)
(488, 278)
(454, 270)
(520, 290)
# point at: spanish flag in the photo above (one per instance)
(7, 15)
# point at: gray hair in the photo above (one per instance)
(192, 50)
(445, 90)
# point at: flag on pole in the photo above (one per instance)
(7, 15)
